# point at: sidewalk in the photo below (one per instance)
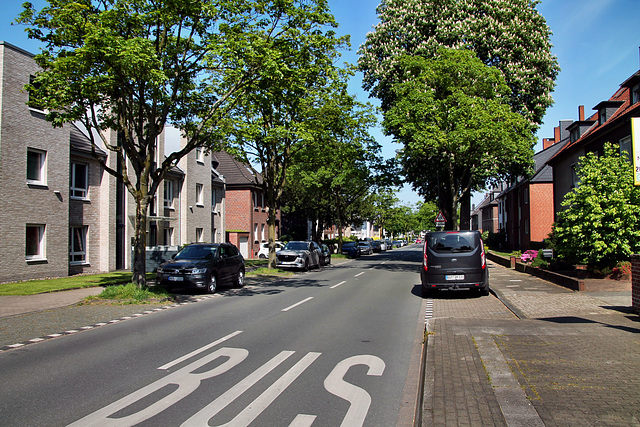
(569, 359)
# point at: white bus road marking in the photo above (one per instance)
(297, 304)
(341, 283)
(359, 274)
(200, 350)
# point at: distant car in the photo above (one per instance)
(203, 266)
(375, 245)
(383, 245)
(299, 254)
(326, 255)
(454, 260)
(396, 243)
(365, 247)
(263, 253)
(350, 249)
(529, 255)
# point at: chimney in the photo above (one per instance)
(557, 133)
(547, 142)
(581, 113)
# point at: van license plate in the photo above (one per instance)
(175, 279)
(454, 277)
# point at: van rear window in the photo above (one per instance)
(452, 242)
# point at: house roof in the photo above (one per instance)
(81, 143)
(544, 172)
(235, 172)
(622, 99)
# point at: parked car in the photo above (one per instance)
(365, 247)
(454, 260)
(375, 245)
(529, 255)
(203, 266)
(326, 255)
(396, 243)
(299, 254)
(389, 244)
(350, 249)
(263, 253)
(383, 245)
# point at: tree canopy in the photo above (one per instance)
(600, 225)
(133, 66)
(459, 133)
(510, 35)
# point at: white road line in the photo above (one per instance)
(335, 286)
(359, 274)
(515, 280)
(200, 350)
(297, 304)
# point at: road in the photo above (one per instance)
(338, 346)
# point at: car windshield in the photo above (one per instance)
(452, 242)
(347, 245)
(197, 252)
(297, 246)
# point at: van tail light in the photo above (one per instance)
(425, 260)
(483, 258)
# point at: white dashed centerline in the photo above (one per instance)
(338, 284)
(297, 304)
(359, 274)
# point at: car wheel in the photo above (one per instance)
(306, 265)
(427, 293)
(212, 285)
(484, 291)
(240, 278)
(262, 256)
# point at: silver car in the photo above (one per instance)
(301, 255)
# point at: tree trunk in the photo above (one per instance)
(140, 245)
(271, 226)
(465, 211)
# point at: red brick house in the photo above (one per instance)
(245, 210)
(611, 122)
(526, 207)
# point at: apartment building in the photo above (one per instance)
(63, 214)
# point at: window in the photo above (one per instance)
(625, 145)
(199, 155)
(574, 175)
(168, 194)
(34, 249)
(255, 232)
(36, 167)
(79, 180)
(214, 201)
(602, 116)
(78, 245)
(199, 235)
(262, 233)
(635, 94)
(574, 135)
(32, 99)
(199, 195)
(168, 236)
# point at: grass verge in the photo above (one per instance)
(33, 287)
(130, 294)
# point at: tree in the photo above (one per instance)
(333, 177)
(510, 35)
(278, 115)
(601, 223)
(134, 66)
(458, 130)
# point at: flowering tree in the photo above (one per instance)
(510, 35)
(600, 225)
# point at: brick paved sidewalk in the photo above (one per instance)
(574, 359)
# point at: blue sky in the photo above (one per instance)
(596, 42)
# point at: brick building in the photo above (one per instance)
(246, 211)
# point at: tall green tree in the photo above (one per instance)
(278, 114)
(335, 175)
(600, 225)
(510, 35)
(134, 66)
(457, 127)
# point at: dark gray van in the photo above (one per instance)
(454, 260)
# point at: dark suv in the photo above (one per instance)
(203, 266)
(454, 260)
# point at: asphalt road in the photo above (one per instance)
(338, 346)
